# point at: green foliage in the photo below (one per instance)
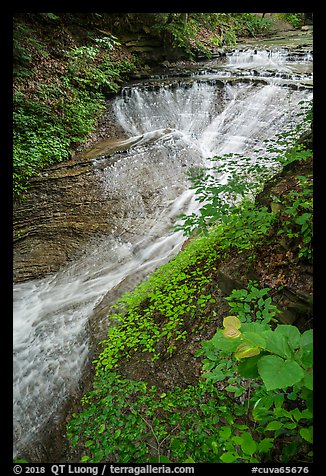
(296, 217)
(127, 421)
(156, 315)
(257, 397)
(296, 19)
(279, 361)
(243, 228)
(285, 356)
(199, 33)
(252, 304)
(21, 54)
(220, 198)
(63, 111)
(42, 138)
(248, 24)
(91, 68)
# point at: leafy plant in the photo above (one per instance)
(155, 316)
(126, 421)
(296, 19)
(281, 359)
(252, 304)
(262, 374)
(61, 112)
(221, 188)
(89, 66)
(252, 25)
(296, 217)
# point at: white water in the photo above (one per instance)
(172, 129)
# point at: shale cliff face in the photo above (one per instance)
(63, 209)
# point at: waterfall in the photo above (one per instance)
(172, 127)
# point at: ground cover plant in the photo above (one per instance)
(252, 399)
(59, 94)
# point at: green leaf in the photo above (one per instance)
(279, 373)
(265, 445)
(237, 440)
(290, 426)
(304, 357)
(277, 344)
(255, 327)
(303, 218)
(254, 338)
(278, 400)
(239, 391)
(228, 457)
(102, 428)
(274, 425)
(282, 412)
(306, 350)
(291, 333)
(84, 459)
(248, 367)
(306, 434)
(248, 445)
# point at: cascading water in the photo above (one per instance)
(172, 127)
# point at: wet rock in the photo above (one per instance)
(61, 212)
(296, 307)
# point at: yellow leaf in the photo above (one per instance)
(246, 350)
(275, 207)
(231, 332)
(232, 321)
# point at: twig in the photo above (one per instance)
(159, 444)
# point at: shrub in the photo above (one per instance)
(62, 112)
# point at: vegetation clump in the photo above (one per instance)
(59, 96)
(251, 398)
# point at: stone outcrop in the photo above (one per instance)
(61, 211)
